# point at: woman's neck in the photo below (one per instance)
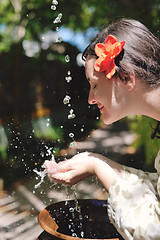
(151, 103)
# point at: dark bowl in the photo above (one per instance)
(77, 219)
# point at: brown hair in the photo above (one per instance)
(141, 54)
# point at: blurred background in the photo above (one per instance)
(43, 90)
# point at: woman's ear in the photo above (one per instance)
(129, 81)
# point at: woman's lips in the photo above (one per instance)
(101, 108)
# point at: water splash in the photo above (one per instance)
(42, 174)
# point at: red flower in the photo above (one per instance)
(107, 53)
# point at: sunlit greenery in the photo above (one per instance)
(21, 19)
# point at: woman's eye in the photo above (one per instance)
(94, 86)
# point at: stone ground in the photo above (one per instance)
(20, 206)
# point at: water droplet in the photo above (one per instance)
(66, 99)
(82, 234)
(74, 235)
(58, 18)
(73, 144)
(78, 208)
(71, 209)
(53, 7)
(67, 58)
(55, 2)
(71, 135)
(59, 39)
(71, 114)
(68, 79)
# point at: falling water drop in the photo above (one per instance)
(71, 135)
(71, 209)
(59, 39)
(67, 58)
(71, 114)
(55, 2)
(53, 7)
(66, 99)
(68, 79)
(58, 18)
(74, 235)
(73, 144)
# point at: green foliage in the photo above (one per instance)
(143, 127)
(44, 130)
(21, 19)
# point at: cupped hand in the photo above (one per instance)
(73, 170)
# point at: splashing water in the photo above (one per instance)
(43, 173)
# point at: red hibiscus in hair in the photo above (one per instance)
(107, 53)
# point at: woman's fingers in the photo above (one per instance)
(70, 177)
(51, 166)
(64, 166)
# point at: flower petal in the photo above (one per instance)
(110, 40)
(111, 69)
(100, 49)
(117, 48)
(98, 65)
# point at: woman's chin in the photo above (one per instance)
(109, 120)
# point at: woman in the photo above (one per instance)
(123, 68)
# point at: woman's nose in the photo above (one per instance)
(91, 98)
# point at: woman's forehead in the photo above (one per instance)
(91, 73)
(89, 66)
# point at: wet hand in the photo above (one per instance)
(73, 170)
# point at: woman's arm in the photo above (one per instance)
(82, 166)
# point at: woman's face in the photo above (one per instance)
(110, 95)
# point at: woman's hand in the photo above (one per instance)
(84, 165)
(73, 170)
